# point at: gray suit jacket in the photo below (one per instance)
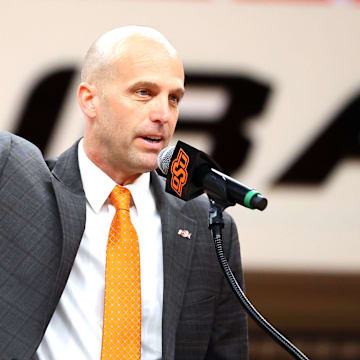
(42, 219)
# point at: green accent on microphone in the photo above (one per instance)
(247, 199)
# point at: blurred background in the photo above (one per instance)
(273, 94)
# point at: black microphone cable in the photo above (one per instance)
(216, 224)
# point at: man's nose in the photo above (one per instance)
(160, 110)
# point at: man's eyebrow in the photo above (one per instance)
(180, 90)
(140, 84)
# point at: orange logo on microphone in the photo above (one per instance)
(179, 172)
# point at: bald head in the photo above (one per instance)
(119, 44)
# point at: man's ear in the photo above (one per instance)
(87, 99)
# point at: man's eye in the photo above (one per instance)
(174, 99)
(143, 92)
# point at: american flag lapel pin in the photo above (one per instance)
(184, 233)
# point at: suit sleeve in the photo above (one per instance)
(229, 339)
(5, 144)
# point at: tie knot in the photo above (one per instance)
(120, 198)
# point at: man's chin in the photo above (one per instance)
(147, 164)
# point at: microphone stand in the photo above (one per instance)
(216, 224)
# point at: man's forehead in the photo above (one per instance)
(150, 65)
(139, 50)
(140, 41)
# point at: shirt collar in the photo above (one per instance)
(98, 185)
(140, 192)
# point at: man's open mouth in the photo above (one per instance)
(154, 139)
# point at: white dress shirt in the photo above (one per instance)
(75, 330)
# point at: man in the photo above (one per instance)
(54, 226)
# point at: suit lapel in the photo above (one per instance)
(71, 203)
(177, 254)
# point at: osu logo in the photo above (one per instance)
(179, 172)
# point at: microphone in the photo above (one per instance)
(190, 172)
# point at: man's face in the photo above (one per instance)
(138, 108)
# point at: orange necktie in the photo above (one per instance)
(122, 307)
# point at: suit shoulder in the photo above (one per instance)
(5, 145)
(5, 142)
(20, 154)
(10, 141)
(5, 136)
